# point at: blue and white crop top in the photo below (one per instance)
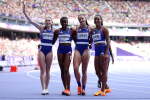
(65, 36)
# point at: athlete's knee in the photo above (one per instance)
(76, 69)
(47, 71)
(97, 73)
(84, 73)
(104, 71)
(66, 70)
(62, 70)
(42, 70)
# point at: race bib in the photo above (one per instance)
(64, 37)
(96, 37)
(47, 36)
(82, 35)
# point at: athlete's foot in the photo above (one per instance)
(100, 93)
(46, 91)
(68, 93)
(83, 92)
(99, 84)
(43, 92)
(79, 90)
(64, 92)
(107, 90)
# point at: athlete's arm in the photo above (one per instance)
(38, 26)
(55, 36)
(110, 50)
(106, 33)
(91, 40)
(73, 31)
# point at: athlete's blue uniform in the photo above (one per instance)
(99, 37)
(82, 42)
(46, 41)
(64, 37)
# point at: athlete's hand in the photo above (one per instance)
(105, 57)
(23, 8)
(112, 60)
(90, 47)
(39, 46)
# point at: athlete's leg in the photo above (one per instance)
(49, 58)
(66, 67)
(85, 61)
(41, 58)
(97, 70)
(61, 58)
(104, 67)
(76, 64)
(107, 87)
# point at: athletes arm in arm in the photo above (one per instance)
(73, 31)
(91, 40)
(55, 36)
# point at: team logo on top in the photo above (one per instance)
(61, 32)
(79, 29)
(82, 35)
(102, 53)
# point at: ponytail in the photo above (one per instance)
(87, 23)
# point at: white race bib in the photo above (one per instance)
(47, 36)
(82, 35)
(64, 37)
(96, 37)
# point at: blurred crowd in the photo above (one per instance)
(19, 47)
(113, 11)
(141, 48)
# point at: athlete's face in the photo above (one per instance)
(97, 20)
(82, 19)
(64, 23)
(48, 22)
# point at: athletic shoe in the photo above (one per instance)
(64, 92)
(46, 91)
(100, 93)
(99, 84)
(83, 92)
(107, 91)
(43, 92)
(79, 90)
(68, 93)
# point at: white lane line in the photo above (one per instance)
(146, 71)
(86, 85)
(122, 77)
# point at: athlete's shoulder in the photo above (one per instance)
(77, 28)
(91, 29)
(104, 30)
(57, 31)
